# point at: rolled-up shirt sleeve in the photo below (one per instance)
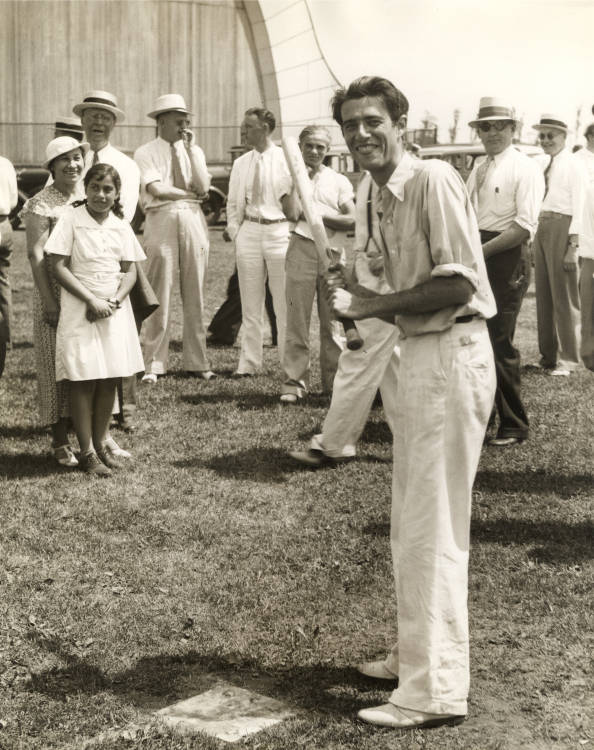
(451, 226)
(529, 195)
(148, 169)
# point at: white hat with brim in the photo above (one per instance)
(548, 121)
(491, 108)
(63, 145)
(99, 100)
(169, 103)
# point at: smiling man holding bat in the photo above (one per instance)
(333, 199)
(434, 262)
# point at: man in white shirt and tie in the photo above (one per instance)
(257, 210)
(586, 253)
(555, 250)
(506, 188)
(8, 200)
(99, 113)
(174, 178)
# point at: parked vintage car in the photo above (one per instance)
(463, 155)
(30, 180)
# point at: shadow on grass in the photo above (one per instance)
(22, 430)
(549, 541)
(156, 681)
(23, 465)
(533, 482)
(252, 401)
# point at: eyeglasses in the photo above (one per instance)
(547, 136)
(498, 125)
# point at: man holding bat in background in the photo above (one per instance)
(174, 179)
(446, 384)
(333, 201)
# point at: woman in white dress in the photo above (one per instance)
(93, 251)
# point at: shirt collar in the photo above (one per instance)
(498, 158)
(400, 175)
(84, 219)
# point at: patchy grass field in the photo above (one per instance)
(213, 552)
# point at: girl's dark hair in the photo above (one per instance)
(100, 171)
(394, 100)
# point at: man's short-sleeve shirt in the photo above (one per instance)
(429, 230)
(331, 190)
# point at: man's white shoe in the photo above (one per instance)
(561, 371)
(393, 717)
(150, 378)
(377, 670)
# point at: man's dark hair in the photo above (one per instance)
(394, 100)
(589, 130)
(264, 115)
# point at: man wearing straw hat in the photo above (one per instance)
(69, 126)
(99, 114)
(174, 179)
(506, 188)
(555, 250)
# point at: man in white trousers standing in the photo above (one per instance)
(174, 179)
(446, 384)
(360, 372)
(257, 210)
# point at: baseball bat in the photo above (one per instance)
(316, 225)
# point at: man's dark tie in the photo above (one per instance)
(546, 175)
(176, 170)
(95, 158)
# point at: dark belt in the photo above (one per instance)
(466, 318)
(261, 220)
(3, 217)
(553, 215)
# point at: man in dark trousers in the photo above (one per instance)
(506, 188)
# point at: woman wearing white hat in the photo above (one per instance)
(65, 161)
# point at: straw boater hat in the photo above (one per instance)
(492, 108)
(69, 125)
(99, 100)
(169, 103)
(548, 121)
(62, 145)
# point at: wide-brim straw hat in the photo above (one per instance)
(99, 100)
(69, 125)
(169, 103)
(63, 145)
(548, 121)
(491, 108)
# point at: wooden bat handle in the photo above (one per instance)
(353, 339)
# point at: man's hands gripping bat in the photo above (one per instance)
(316, 225)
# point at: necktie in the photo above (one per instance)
(176, 170)
(482, 171)
(546, 175)
(258, 183)
(95, 158)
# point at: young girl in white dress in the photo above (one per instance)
(93, 251)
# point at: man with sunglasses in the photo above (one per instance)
(555, 250)
(506, 188)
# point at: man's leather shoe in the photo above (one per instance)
(201, 374)
(315, 458)
(503, 442)
(393, 717)
(377, 670)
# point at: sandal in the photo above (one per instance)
(64, 455)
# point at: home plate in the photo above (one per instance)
(225, 711)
